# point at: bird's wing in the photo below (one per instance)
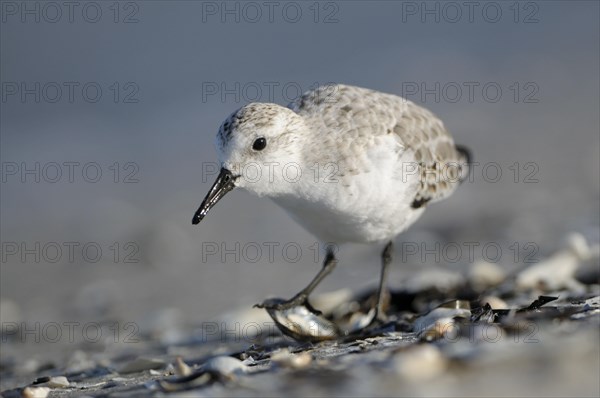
(440, 164)
(363, 115)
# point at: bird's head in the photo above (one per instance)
(259, 149)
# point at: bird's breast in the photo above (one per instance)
(362, 209)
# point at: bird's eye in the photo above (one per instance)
(259, 144)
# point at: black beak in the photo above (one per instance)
(223, 185)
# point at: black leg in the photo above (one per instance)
(386, 259)
(302, 297)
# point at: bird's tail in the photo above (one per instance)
(465, 160)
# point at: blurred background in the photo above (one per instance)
(109, 112)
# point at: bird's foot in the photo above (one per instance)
(282, 305)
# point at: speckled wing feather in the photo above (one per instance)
(439, 160)
(364, 114)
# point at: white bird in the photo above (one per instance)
(349, 164)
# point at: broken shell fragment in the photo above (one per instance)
(181, 368)
(221, 368)
(359, 321)
(441, 320)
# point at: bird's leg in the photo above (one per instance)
(302, 297)
(386, 259)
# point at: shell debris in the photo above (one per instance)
(286, 359)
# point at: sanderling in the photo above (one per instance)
(347, 163)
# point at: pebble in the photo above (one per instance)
(35, 392)
(226, 366)
(58, 382)
(420, 363)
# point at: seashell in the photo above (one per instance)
(303, 323)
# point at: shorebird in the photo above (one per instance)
(349, 164)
